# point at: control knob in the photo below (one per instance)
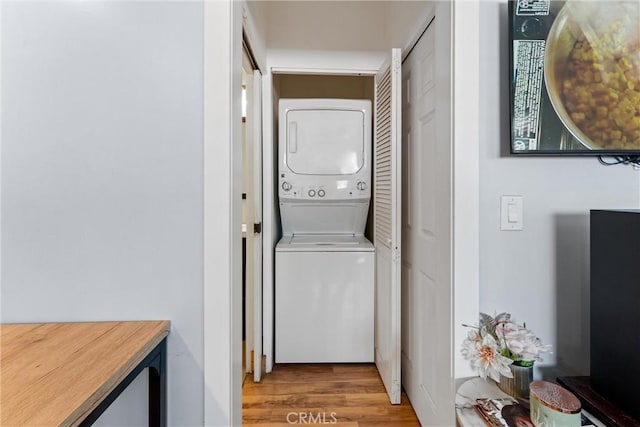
(321, 193)
(312, 193)
(286, 186)
(361, 185)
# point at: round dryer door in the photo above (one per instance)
(325, 142)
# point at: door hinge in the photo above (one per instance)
(257, 228)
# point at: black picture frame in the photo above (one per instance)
(535, 127)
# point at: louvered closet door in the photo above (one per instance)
(387, 204)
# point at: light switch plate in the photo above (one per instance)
(511, 213)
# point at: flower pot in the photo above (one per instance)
(518, 386)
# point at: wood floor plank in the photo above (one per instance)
(366, 368)
(294, 401)
(371, 399)
(290, 374)
(351, 395)
(256, 415)
(324, 387)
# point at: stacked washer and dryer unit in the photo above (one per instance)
(324, 288)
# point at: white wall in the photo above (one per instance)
(326, 26)
(405, 20)
(222, 213)
(465, 177)
(326, 35)
(102, 177)
(354, 30)
(540, 274)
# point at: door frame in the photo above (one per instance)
(222, 227)
(222, 279)
(270, 231)
(224, 25)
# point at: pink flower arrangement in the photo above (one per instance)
(497, 343)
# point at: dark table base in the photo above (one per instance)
(593, 402)
(156, 361)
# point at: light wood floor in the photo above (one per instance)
(351, 394)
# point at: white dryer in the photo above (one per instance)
(324, 151)
(324, 286)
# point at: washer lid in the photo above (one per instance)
(324, 243)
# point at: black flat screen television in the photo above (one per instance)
(575, 77)
(615, 308)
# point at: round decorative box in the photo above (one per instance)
(553, 406)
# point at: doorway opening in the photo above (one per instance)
(283, 62)
(286, 379)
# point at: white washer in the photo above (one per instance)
(324, 299)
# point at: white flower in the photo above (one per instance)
(515, 346)
(506, 328)
(521, 342)
(471, 345)
(532, 350)
(485, 356)
(473, 335)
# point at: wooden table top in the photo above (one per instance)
(57, 373)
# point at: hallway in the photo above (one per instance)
(333, 394)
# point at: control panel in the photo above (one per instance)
(315, 188)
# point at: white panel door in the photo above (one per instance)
(426, 241)
(387, 211)
(256, 135)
